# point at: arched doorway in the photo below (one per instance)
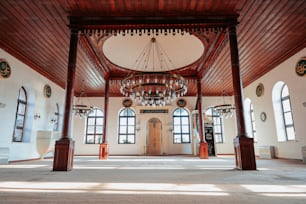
(154, 137)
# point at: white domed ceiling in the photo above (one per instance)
(163, 53)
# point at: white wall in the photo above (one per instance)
(167, 147)
(229, 130)
(115, 105)
(266, 131)
(22, 75)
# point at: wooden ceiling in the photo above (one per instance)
(37, 33)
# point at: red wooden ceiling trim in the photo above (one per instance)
(212, 53)
(90, 52)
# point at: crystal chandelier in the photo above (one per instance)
(153, 88)
(225, 109)
(80, 109)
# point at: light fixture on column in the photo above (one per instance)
(2, 105)
(153, 88)
(80, 109)
(36, 116)
(225, 109)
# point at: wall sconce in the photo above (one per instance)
(36, 116)
(170, 129)
(2, 105)
(138, 126)
(53, 121)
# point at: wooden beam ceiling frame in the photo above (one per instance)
(115, 25)
(211, 54)
(94, 58)
(104, 26)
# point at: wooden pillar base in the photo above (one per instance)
(203, 151)
(103, 151)
(63, 155)
(244, 153)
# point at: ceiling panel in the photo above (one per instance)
(37, 33)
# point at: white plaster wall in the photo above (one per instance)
(22, 75)
(115, 105)
(79, 129)
(266, 131)
(229, 131)
(167, 147)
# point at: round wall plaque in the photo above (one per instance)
(127, 102)
(263, 116)
(181, 102)
(259, 89)
(300, 67)
(47, 91)
(5, 69)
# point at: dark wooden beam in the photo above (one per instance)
(153, 22)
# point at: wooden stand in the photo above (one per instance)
(244, 153)
(203, 151)
(103, 151)
(63, 155)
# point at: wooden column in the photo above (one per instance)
(244, 146)
(64, 147)
(103, 150)
(203, 148)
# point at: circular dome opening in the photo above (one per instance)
(153, 53)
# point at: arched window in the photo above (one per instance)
(287, 113)
(56, 118)
(283, 112)
(181, 126)
(215, 118)
(253, 125)
(94, 127)
(20, 115)
(250, 119)
(127, 124)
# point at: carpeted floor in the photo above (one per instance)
(166, 179)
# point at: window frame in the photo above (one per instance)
(181, 134)
(97, 137)
(126, 134)
(19, 115)
(57, 117)
(253, 125)
(214, 116)
(286, 125)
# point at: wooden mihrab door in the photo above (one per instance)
(154, 137)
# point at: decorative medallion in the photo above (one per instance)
(47, 91)
(263, 116)
(259, 89)
(181, 102)
(300, 68)
(127, 102)
(5, 69)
